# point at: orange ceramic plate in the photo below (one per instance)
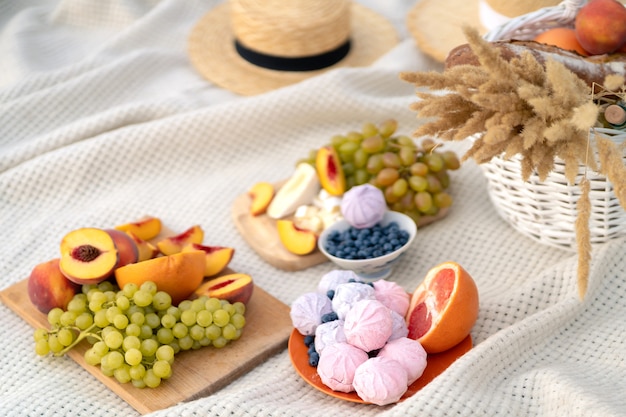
(436, 364)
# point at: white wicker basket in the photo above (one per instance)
(546, 210)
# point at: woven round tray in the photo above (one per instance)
(546, 210)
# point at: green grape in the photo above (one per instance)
(138, 383)
(400, 187)
(388, 128)
(348, 168)
(151, 380)
(443, 178)
(220, 342)
(165, 336)
(137, 371)
(369, 129)
(149, 347)
(185, 342)
(407, 201)
(133, 329)
(113, 339)
(113, 359)
(374, 164)
(161, 301)
(122, 302)
(418, 169)
(106, 371)
(434, 185)
(92, 357)
(221, 318)
(354, 137)
(196, 332)
(162, 369)
(428, 144)
(442, 200)
(238, 320)
(138, 318)
(423, 201)
(347, 150)
(406, 141)
(67, 318)
(42, 348)
(212, 304)
(130, 289)
(434, 161)
(373, 144)
(407, 156)
(229, 332)
(100, 348)
(390, 197)
(54, 344)
(65, 337)
(387, 176)
(40, 334)
(85, 288)
(166, 353)
(105, 286)
(77, 304)
(174, 311)
(120, 321)
(198, 304)
(204, 318)
(188, 317)
(418, 183)
(133, 357)
(229, 308)
(451, 160)
(213, 331)
(168, 321)
(180, 330)
(337, 140)
(350, 182)
(149, 286)
(184, 305)
(205, 341)
(95, 306)
(112, 312)
(142, 297)
(110, 296)
(84, 320)
(100, 318)
(361, 176)
(391, 160)
(146, 332)
(122, 374)
(153, 320)
(131, 342)
(360, 158)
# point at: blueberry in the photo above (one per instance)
(314, 359)
(311, 349)
(309, 339)
(332, 316)
(330, 294)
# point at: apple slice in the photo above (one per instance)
(145, 229)
(217, 257)
(296, 240)
(231, 287)
(301, 188)
(174, 244)
(261, 194)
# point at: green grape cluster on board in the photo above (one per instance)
(413, 176)
(135, 332)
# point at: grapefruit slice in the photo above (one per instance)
(443, 308)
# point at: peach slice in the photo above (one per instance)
(126, 248)
(178, 275)
(49, 288)
(174, 244)
(231, 287)
(296, 240)
(145, 229)
(217, 257)
(261, 194)
(330, 171)
(145, 249)
(88, 255)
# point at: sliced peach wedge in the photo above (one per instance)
(127, 250)
(232, 287)
(88, 255)
(296, 240)
(217, 257)
(145, 249)
(261, 194)
(330, 171)
(145, 229)
(175, 244)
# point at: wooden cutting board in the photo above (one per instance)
(261, 234)
(196, 373)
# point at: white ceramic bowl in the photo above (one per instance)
(373, 268)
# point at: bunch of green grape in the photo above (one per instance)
(413, 177)
(135, 331)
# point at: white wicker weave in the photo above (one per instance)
(546, 210)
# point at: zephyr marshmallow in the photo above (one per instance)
(380, 381)
(307, 311)
(338, 364)
(368, 325)
(363, 206)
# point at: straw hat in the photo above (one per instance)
(253, 46)
(436, 24)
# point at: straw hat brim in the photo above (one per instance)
(436, 25)
(212, 51)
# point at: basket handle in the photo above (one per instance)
(571, 7)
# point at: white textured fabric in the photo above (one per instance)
(103, 120)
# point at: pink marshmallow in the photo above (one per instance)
(409, 353)
(380, 381)
(368, 325)
(337, 365)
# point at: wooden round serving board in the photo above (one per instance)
(261, 234)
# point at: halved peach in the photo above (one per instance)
(261, 194)
(127, 250)
(231, 287)
(88, 255)
(145, 229)
(179, 275)
(217, 257)
(174, 244)
(296, 240)
(145, 249)
(330, 171)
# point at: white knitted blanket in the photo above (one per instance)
(103, 120)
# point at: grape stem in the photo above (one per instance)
(82, 334)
